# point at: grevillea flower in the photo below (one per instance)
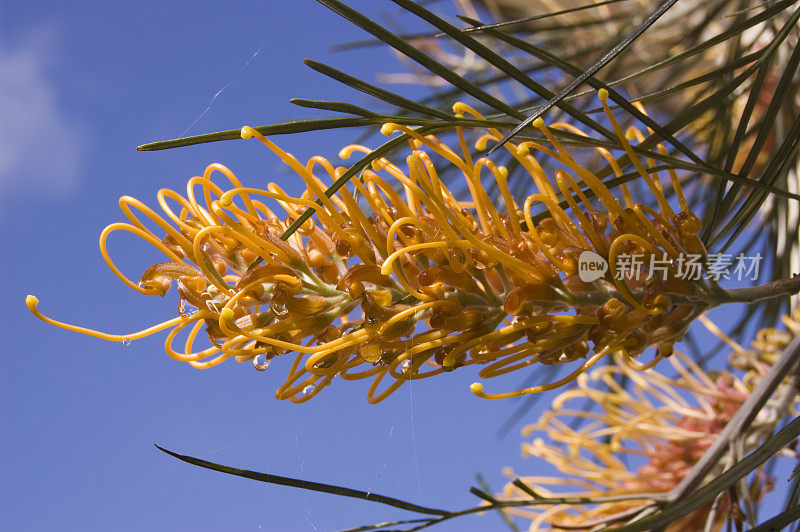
(403, 280)
(636, 441)
(768, 346)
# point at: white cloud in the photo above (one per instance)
(41, 147)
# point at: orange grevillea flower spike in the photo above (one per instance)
(396, 279)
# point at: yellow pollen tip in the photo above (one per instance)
(247, 132)
(387, 129)
(476, 387)
(603, 94)
(503, 171)
(459, 108)
(539, 122)
(31, 301)
(523, 151)
(480, 144)
(630, 134)
(226, 200)
(226, 315)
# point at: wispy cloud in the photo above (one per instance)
(41, 145)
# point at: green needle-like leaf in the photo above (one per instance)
(304, 484)
(591, 71)
(423, 59)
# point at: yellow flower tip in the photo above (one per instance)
(630, 134)
(503, 171)
(416, 143)
(226, 199)
(31, 302)
(226, 315)
(387, 129)
(480, 144)
(459, 108)
(476, 388)
(153, 287)
(603, 94)
(574, 451)
(386, 268)
(247, 132)
(539, 122)
(523, 150)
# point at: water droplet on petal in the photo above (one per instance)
(126, 342)
(405, 365)
(261, 362)
(308, 389)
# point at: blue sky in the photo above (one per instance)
(81, 85)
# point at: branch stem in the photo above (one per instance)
(751, 294)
